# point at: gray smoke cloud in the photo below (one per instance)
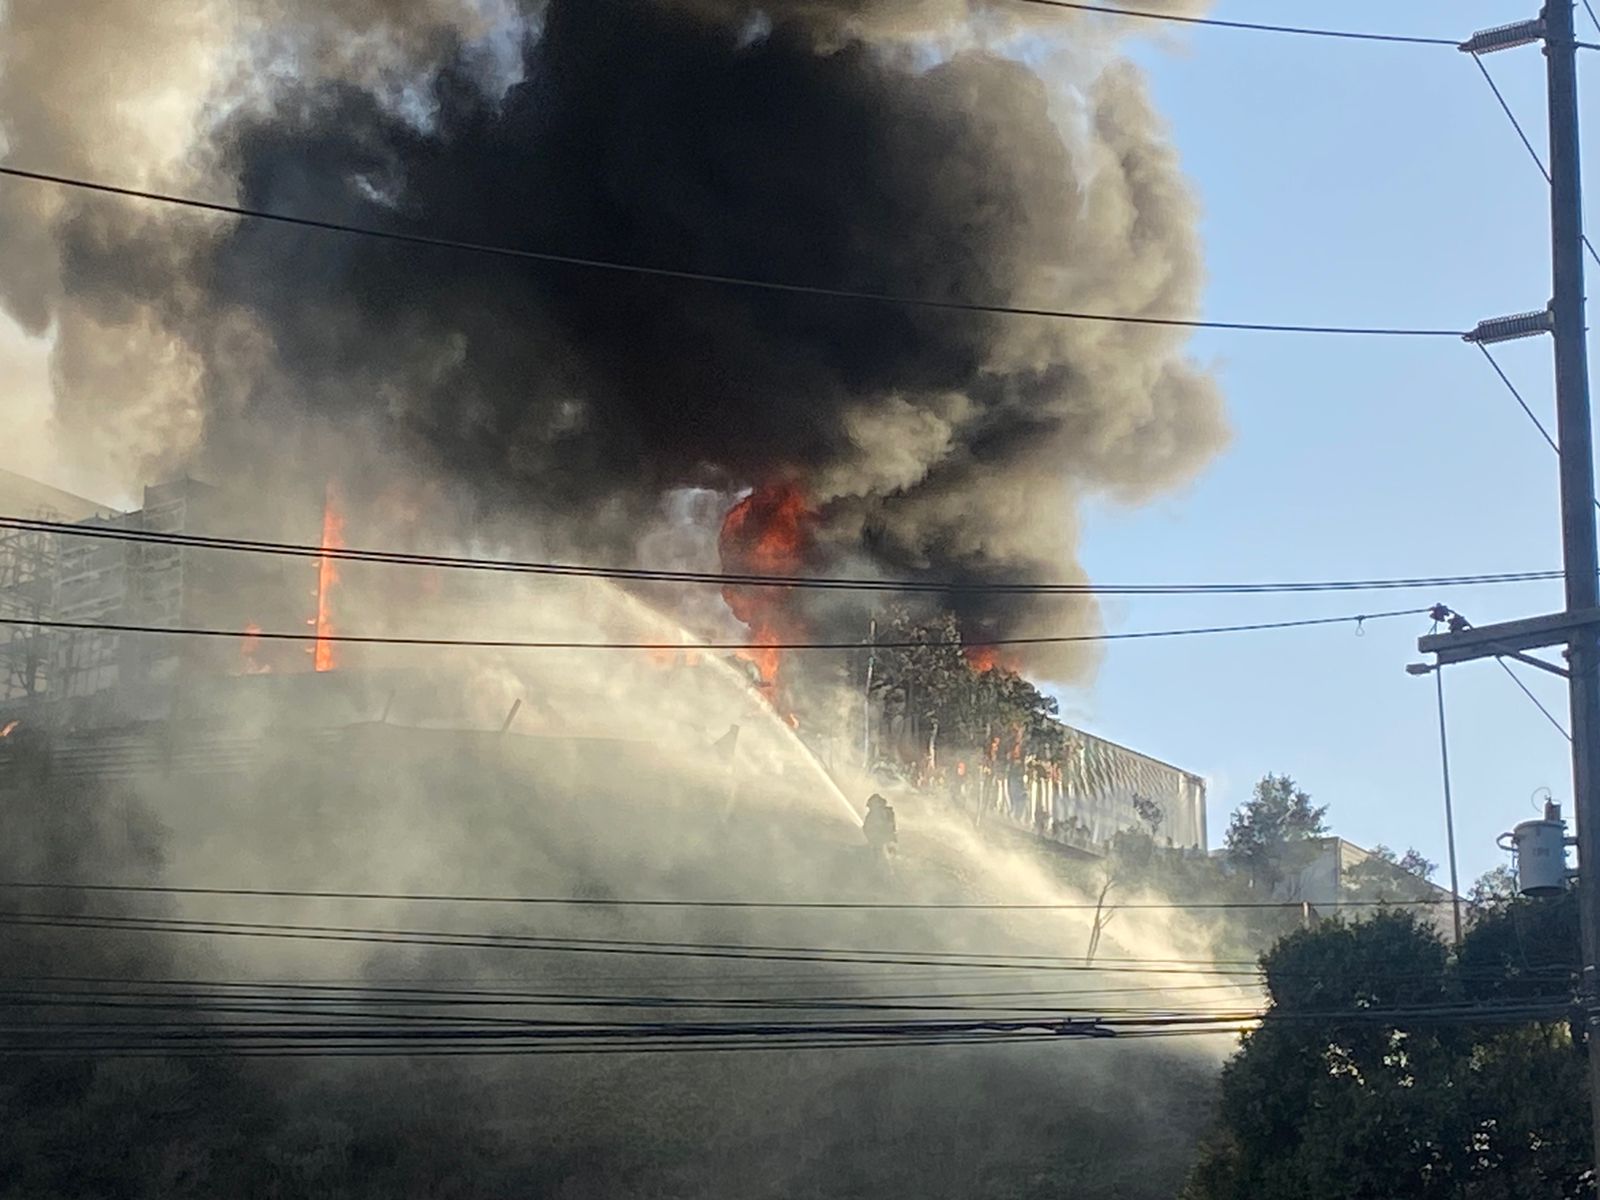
(888, 145)
(880, 147)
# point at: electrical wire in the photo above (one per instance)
(592, 1047)
(1050, 1020)
(706, 277)
(1589, 8)
(274, 999)
(1537, 703)
(121, 1017)
(1250, 26)
(728, 579)
(606, 946)
(24, 988)
(1523, 404)
(1527, 143)
(58, 1038)
(1358, 619)
(1517, 395)
(630, 902)
(961, 961)
(389, 1009)
(429, 987)
(1511, 116)
(1070, 1020)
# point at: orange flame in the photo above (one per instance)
(984, 659)
(9, 728)
(324, 656)
(766, 533)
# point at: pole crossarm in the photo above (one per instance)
(1510, 638)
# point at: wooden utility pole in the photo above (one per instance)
(1578, 626)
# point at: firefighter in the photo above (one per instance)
(878, 826)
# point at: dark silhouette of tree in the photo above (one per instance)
(1365, 1081)
(1494, 888)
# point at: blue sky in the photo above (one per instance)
(1350, 183)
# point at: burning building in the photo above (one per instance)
(808, 154)
(86, 676)
(576, 402)
(1070, 787)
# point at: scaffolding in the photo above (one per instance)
(29, 571)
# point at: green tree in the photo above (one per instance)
(1413, 862)
(1492, 889)
(1385, 875)
(1365, 1081)
(1267, 833)
(951, 704)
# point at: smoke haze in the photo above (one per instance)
(431, 799)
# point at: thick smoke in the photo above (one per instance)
(876, 145)
(807, 142)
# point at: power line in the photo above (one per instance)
(1517, 395)
(596, 1047)
(655, 902)
(517, 1027)
(242, 995)
(58, 1038)
(1523, 404)
(496, 1027)
(1511, 116)
(688, 276)
(368, 935)
(401, 1009)
(22, 985)
(732, 579)
(1251, 26)
(960, 962)
(1537, 703)
(1357, 619)
(1589, 8)
(1527, 143)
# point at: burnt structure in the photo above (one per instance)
(87, 677)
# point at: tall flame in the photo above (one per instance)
(766, 533)
(324, 656)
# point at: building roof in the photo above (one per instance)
(21, 496)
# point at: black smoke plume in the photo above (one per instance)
(759, 142)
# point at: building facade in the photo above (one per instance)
(93, 676)
(1339, 878)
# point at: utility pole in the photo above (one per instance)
(1579, 624)
(1577, 497)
